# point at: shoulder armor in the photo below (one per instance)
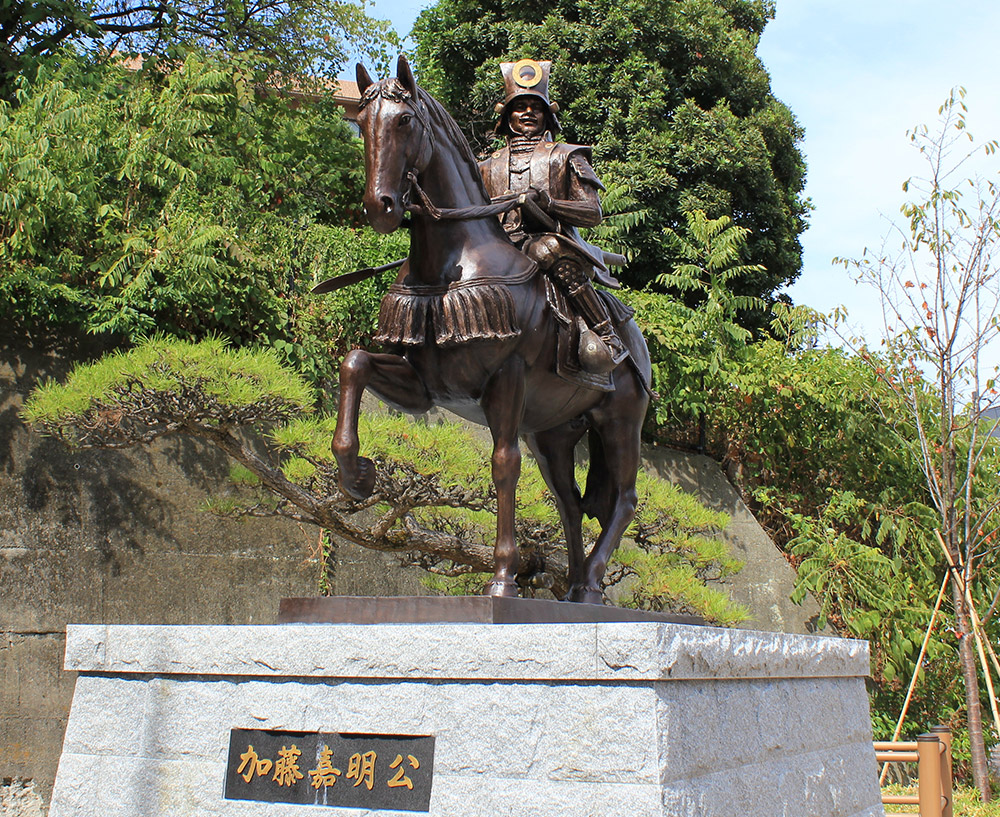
(584, 170)
(567, 150)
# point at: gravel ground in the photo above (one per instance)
(19, 799)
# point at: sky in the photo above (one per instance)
(858, 74)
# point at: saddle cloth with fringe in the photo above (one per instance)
(483, 309)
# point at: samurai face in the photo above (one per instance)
(528, 116)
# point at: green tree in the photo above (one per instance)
(698, 350)
(307, 38)
(710, 271)
(671, 95)
(812, 436)
(182, 203)
(824, 445)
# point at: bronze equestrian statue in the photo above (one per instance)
(473, 326)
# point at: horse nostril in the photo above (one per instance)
(387, 204)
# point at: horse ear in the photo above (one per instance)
(364, 78)
(405, 75)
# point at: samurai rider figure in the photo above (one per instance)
(561, 190)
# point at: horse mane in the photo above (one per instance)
(444, 122)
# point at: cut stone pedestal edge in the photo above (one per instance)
(530, 720)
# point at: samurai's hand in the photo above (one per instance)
(541, 198)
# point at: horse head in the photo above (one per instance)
(397, 133)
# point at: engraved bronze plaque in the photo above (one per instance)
(341, 769)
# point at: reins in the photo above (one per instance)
(502, 204)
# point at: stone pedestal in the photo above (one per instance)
(529, 720)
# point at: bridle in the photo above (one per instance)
(392, 90)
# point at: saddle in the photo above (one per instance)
(483, 309)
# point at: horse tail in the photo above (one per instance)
(598, 500)
(638, 359)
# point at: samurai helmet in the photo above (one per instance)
(526, 78)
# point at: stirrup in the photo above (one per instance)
(601, 350)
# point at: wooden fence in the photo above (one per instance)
(932, 754)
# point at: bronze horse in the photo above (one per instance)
(469, 329)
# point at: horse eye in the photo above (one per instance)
(405, 119)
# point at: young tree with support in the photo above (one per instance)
(940, 296)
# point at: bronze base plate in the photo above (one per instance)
(458, 610)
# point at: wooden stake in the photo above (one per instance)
(976, 627)
(916, 672)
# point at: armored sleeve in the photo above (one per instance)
(583, 209)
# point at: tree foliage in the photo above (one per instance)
(844, 455)
(307, 39)
(820, 445)
(184, 203)
(433, 502)
(671, 95)
(817, 441)
(698, 351)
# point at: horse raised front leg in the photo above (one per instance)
(395, 381)
(503, 405)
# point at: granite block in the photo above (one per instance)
(553, 720)
(622, 651)
(834, 782)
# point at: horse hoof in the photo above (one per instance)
(585, 595)
(360, 484)
(500, 589)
